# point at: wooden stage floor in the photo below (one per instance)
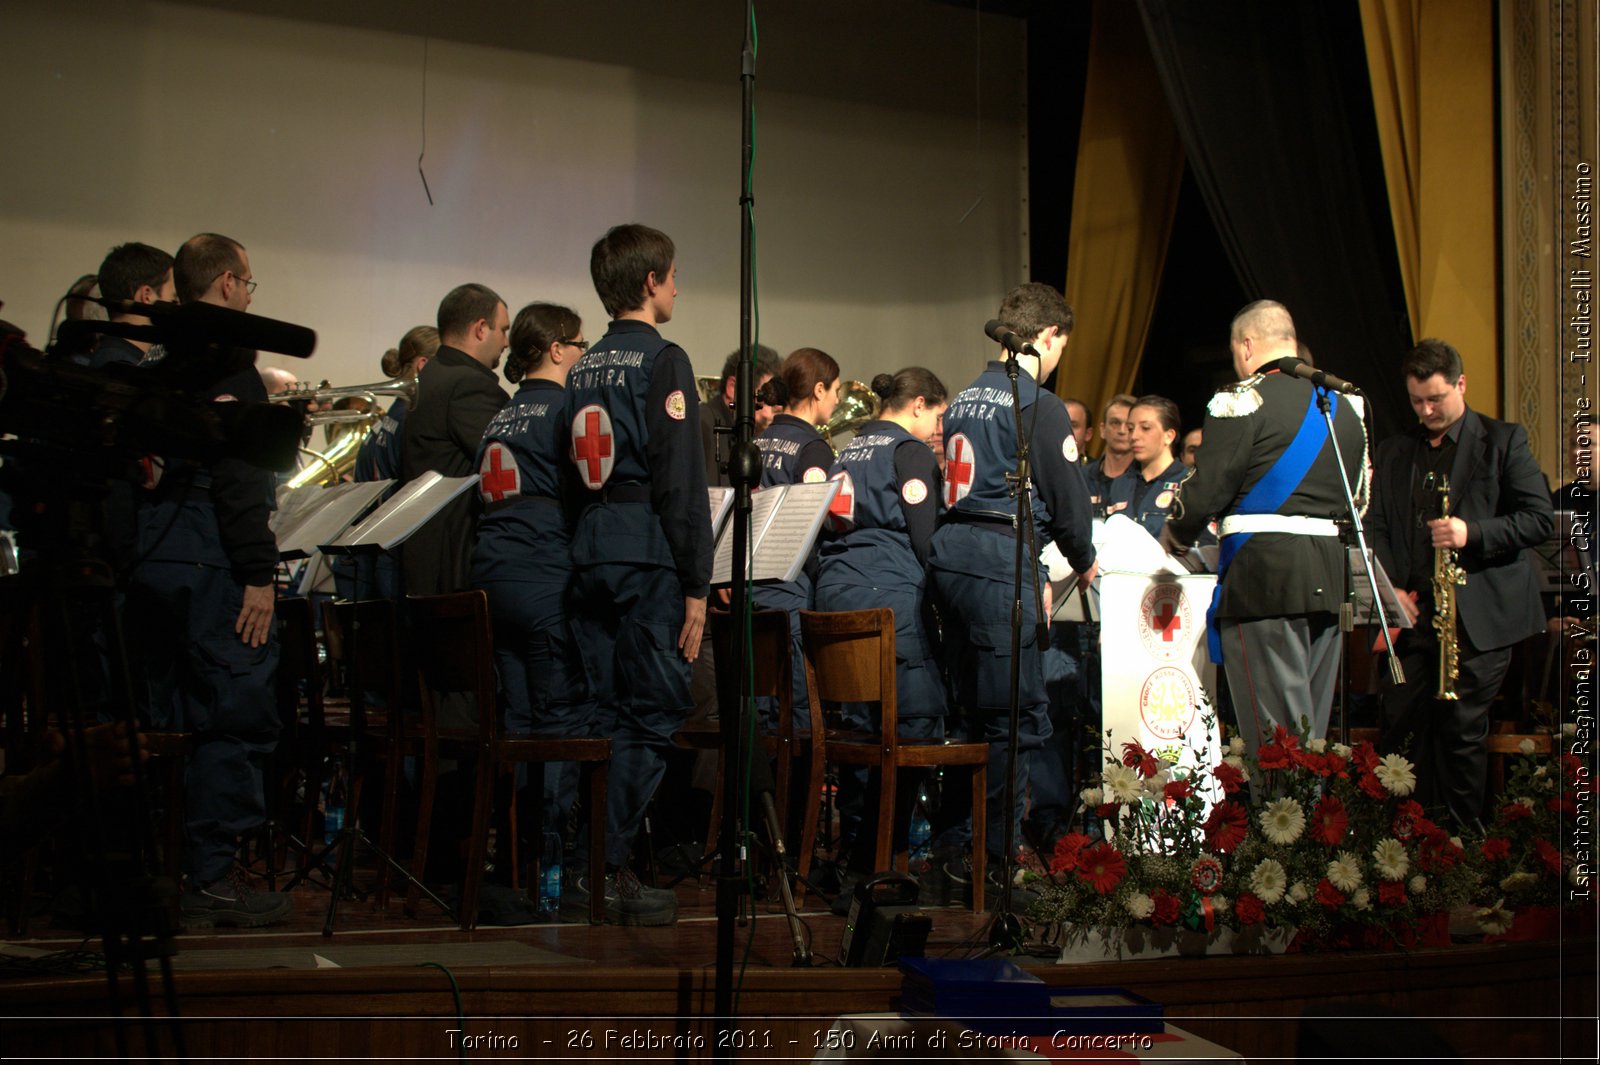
(387, 987)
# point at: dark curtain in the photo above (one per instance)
(1273, 105)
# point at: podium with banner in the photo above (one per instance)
(1155, 674)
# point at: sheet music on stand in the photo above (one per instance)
(721, 499)
(784, 522)
(292, 503)
(327, 515)
(1365, 612)
(402, 515)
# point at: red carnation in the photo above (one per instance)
(1101, 867)
(1229, 776)
(1365, 756)
(1134, 756)
(1392, 893)
(1573, 765)
(1068, 851)
(1328, 895)
(1515, 811)
(1329, 820)
(1495, 847)
(1335, 765)
(1562, 804)
(1178, 790)
(1227, 826)
(1106, 810)
(1548, 855)
(1278, 753)
(1405, 820)
(1166, 911)
(1249, 909)
(1372, 787)
(1437, 854)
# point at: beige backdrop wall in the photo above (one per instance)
(889, 202)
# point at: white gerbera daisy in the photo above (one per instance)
(1139, 906)
(1362, 899)
(1299, 893)
(1494, 919)
(1120, 784)
(1397, 775)
(1269, 881)
(1390, 858)
(1344, 872)
(1419, 884)
(1283, 821)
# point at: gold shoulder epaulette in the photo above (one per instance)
(1237, 400)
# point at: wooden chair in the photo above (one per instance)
(849, 657)
(453, 651)
(771, 678)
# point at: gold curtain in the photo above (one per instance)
(1431, 63)
(1125, 193)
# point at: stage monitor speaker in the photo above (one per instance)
(884, 923)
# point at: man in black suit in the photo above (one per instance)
(1499, 507)
(1272, 476)
(457, 395)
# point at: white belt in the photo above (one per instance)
(1278, 523)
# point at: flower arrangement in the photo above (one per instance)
(1307, 834)
(1525, 854)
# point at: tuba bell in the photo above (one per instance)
(348, 415)
(858, 405)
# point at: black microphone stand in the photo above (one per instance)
(1005, 931)
(1347, 609)
(744, 471)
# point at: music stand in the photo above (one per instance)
(385, 529)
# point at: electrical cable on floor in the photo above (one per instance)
(455, 990)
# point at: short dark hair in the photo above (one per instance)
(622, 261)
(537, 326)
(464, 305)
(1073, 401)
(1433, 356)
(899, 391)
(1030, 309)
(129, 267)
(1121, 399)
(1166, 411)
(767, 361)
(202, 259)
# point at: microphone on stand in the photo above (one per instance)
(1300, 368)
(1007, 339)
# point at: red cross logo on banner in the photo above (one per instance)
(842, 511)
(1168, 622)
(591, 445)
(498, 476)
(957, 469)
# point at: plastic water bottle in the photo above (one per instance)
(917, 843)
(550, 874)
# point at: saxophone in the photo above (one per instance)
(1447, 575)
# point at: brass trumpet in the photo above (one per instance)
(348, 415)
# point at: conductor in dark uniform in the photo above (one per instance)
(972, 561)
(641, 552)
(457, 395)
(1271, 475)
(1499, 508)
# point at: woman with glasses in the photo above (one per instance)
(522, 558)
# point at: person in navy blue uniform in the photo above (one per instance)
(874, 553)
(1154, 423)
(972, 563)
(202, 597)
(1111, 476)
(641, 551)
(137, 273)
(794, 452)
(1268, 469)
(523, 555)
(716, 417)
